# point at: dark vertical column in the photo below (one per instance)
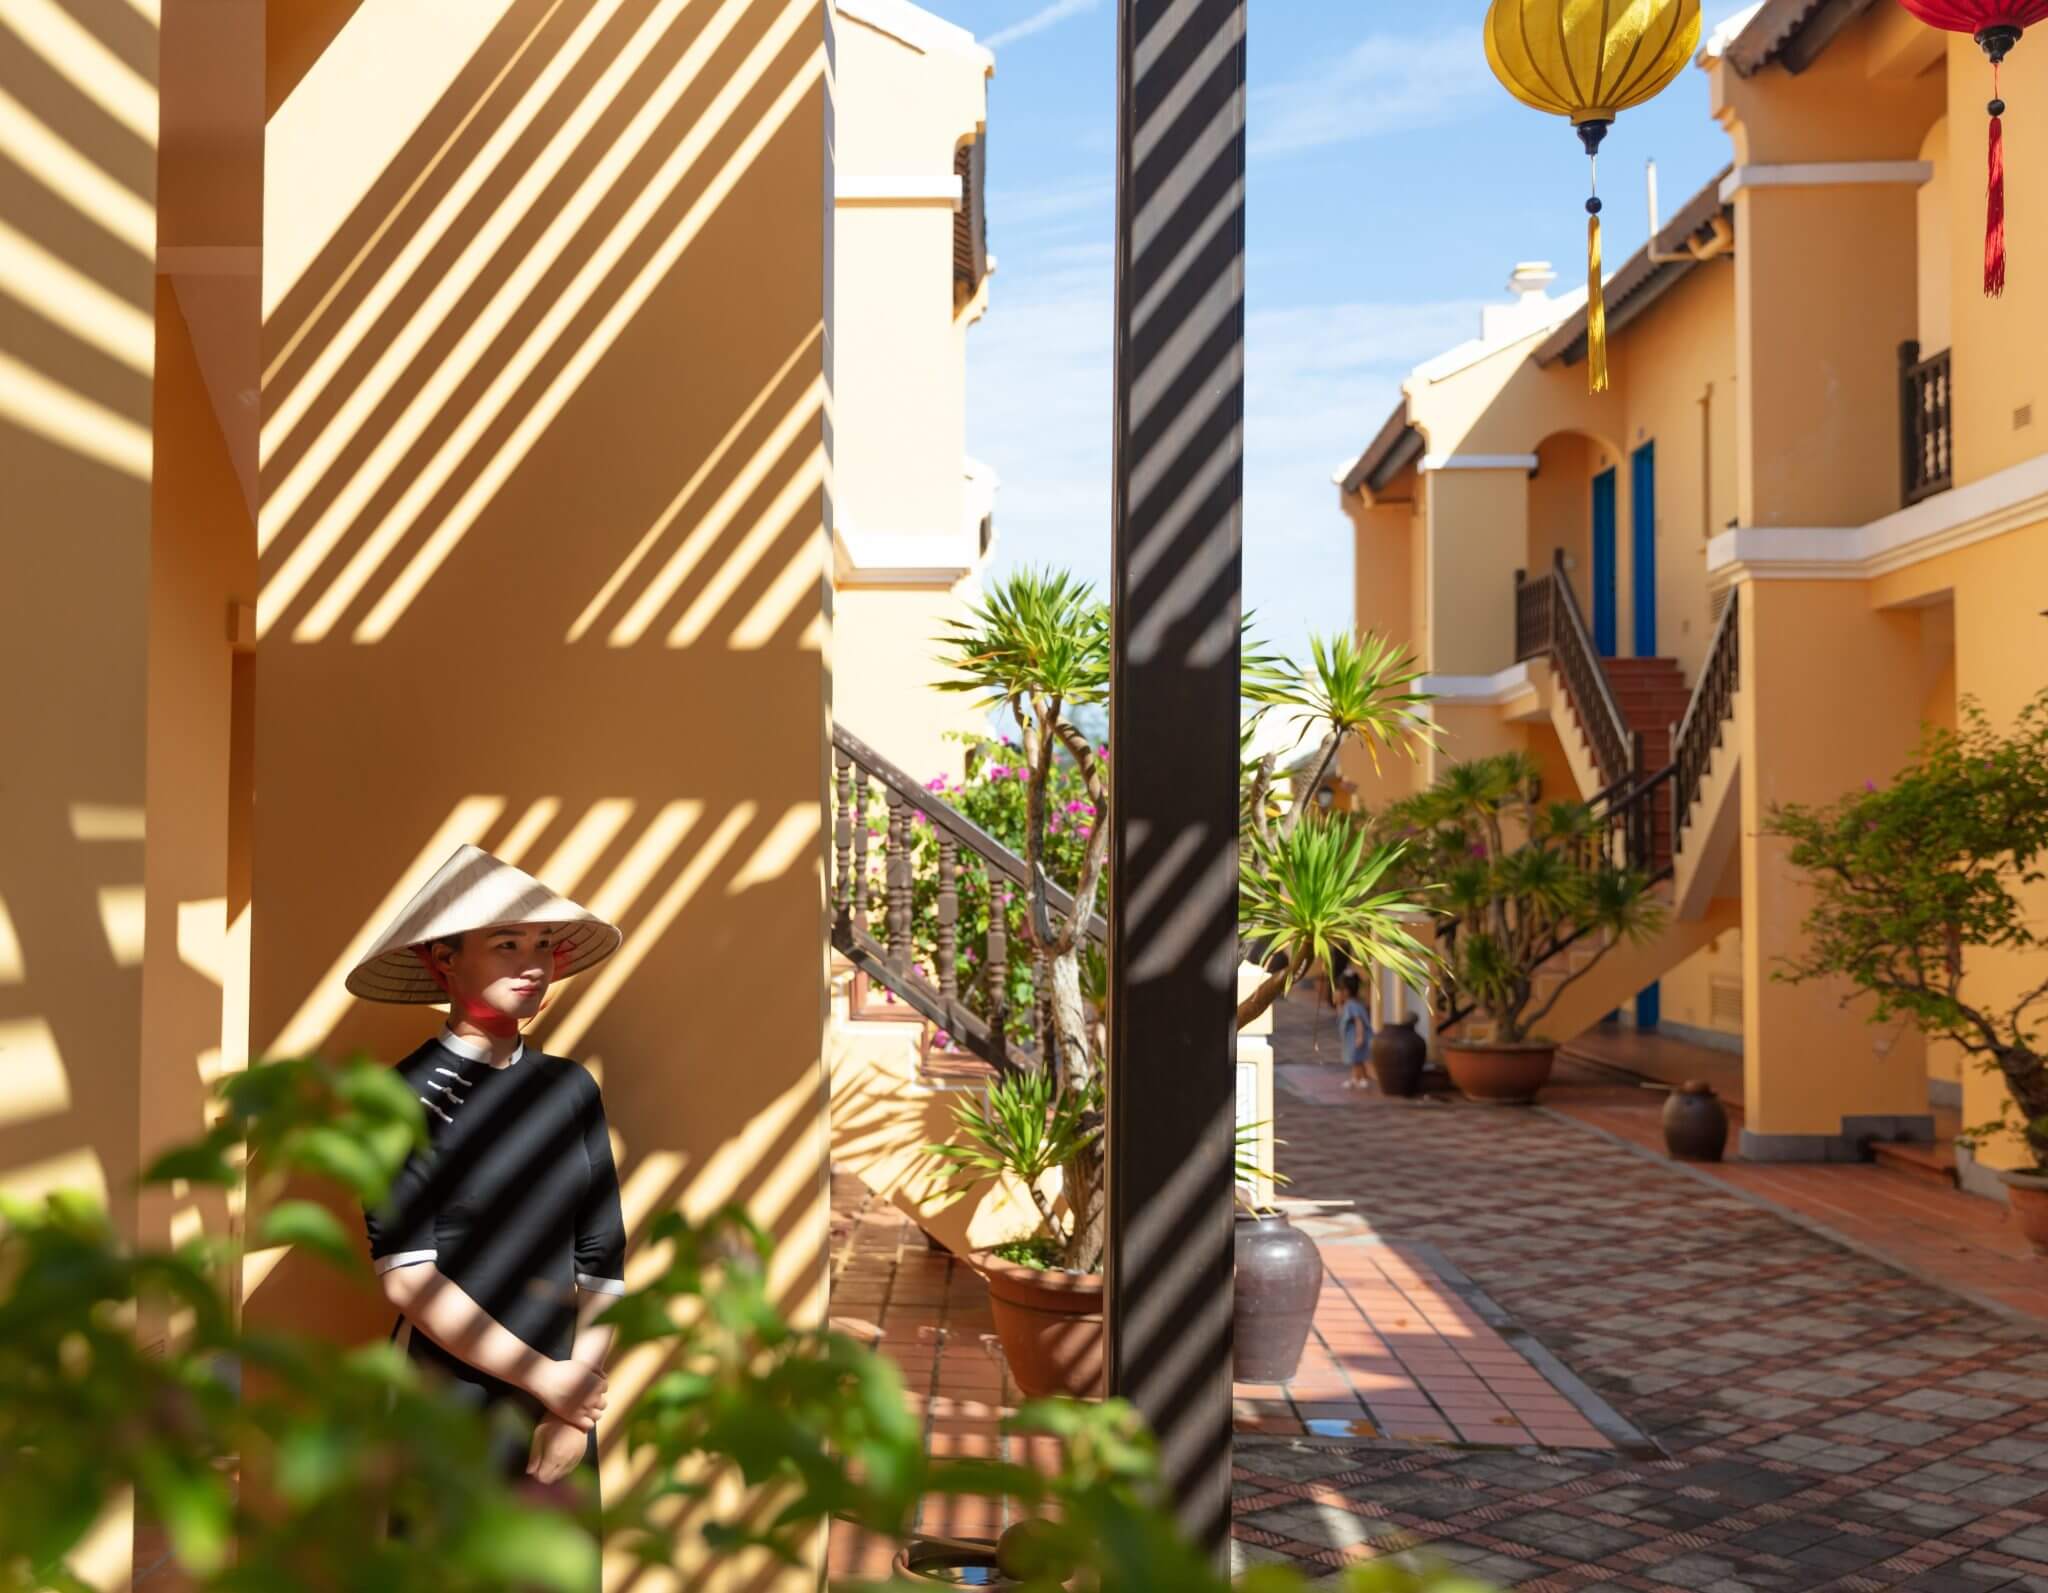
(1176, 592)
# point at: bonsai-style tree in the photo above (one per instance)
(1519, 879)
(1910, 878)
(1038, 647)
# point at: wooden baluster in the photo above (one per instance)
(896, 872)
(949, 916)
(996, 968)
(863, 896)
(842, 879)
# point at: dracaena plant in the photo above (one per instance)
(813, 1424)
(1310, 883)
(1928, 898)
(1038, 646)
(1518, 881)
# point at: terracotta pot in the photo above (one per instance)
(923, 1561)
(1499, 1075)
(1695, 1123)
(1279, 1280)
(2026, 1192)
(1398, 1054)
(1050, 1324)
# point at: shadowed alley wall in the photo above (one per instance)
(543, 555)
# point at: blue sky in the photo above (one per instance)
(1393, 187)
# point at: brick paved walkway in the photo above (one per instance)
(1827, 1421)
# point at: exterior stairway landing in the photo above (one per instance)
(1653, 696)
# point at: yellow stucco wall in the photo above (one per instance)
(77, 416)
(1810, 649)
(1987, 598)
(2001, 402)
(544, 559)
(902, 107)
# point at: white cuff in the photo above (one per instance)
(592, 1285)
(404, 1258)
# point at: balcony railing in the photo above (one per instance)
(1925, 411)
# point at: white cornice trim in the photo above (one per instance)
(1827, 174)
(1433, 462)
(906, 558)
(919, 29)
(897, 189)
(2007, 501)
(1473, 691)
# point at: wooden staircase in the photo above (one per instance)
(1652, 696)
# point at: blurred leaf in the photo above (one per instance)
(313, 1227)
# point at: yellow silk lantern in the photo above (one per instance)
(1590, 60)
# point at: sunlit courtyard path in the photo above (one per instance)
(1780, 1410)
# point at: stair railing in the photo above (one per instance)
(1695, 738)
(1548, 619)
(891, 958)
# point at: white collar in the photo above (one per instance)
(476, 1050)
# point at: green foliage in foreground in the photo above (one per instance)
(814, 1423)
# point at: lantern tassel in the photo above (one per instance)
(1994, 205)
(1596, 311)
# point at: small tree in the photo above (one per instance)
(1908, 879)
(1039, 647)
(1519, 880)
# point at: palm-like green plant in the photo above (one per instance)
(1322, 887)
(1038, 646)
(1026, 1127)
(1519, 879)
(1355, 689)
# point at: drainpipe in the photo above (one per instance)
(1721, 245)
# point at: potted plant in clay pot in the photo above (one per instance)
(1523, 882)
(1934, 879)
(1037, 648)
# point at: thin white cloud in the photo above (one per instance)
(1051, 202)
(1385, 83)
(1039, 21)
(1319, 381)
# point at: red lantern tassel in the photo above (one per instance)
(1994, 214)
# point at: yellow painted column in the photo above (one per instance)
(1830, 699)
(1824, 296)
(544, 566)
(1478, 533)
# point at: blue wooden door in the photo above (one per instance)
(1643, 547)
(1605, 623)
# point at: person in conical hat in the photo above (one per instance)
(504, 1237)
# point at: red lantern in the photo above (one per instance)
(1996, 25)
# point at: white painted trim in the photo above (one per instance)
(1827, 174)
(905, 558)
(898, 189)
(918, 28)
(2007, 501)
(1479, 690)
(1524, 462)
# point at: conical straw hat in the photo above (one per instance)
(474, 890)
